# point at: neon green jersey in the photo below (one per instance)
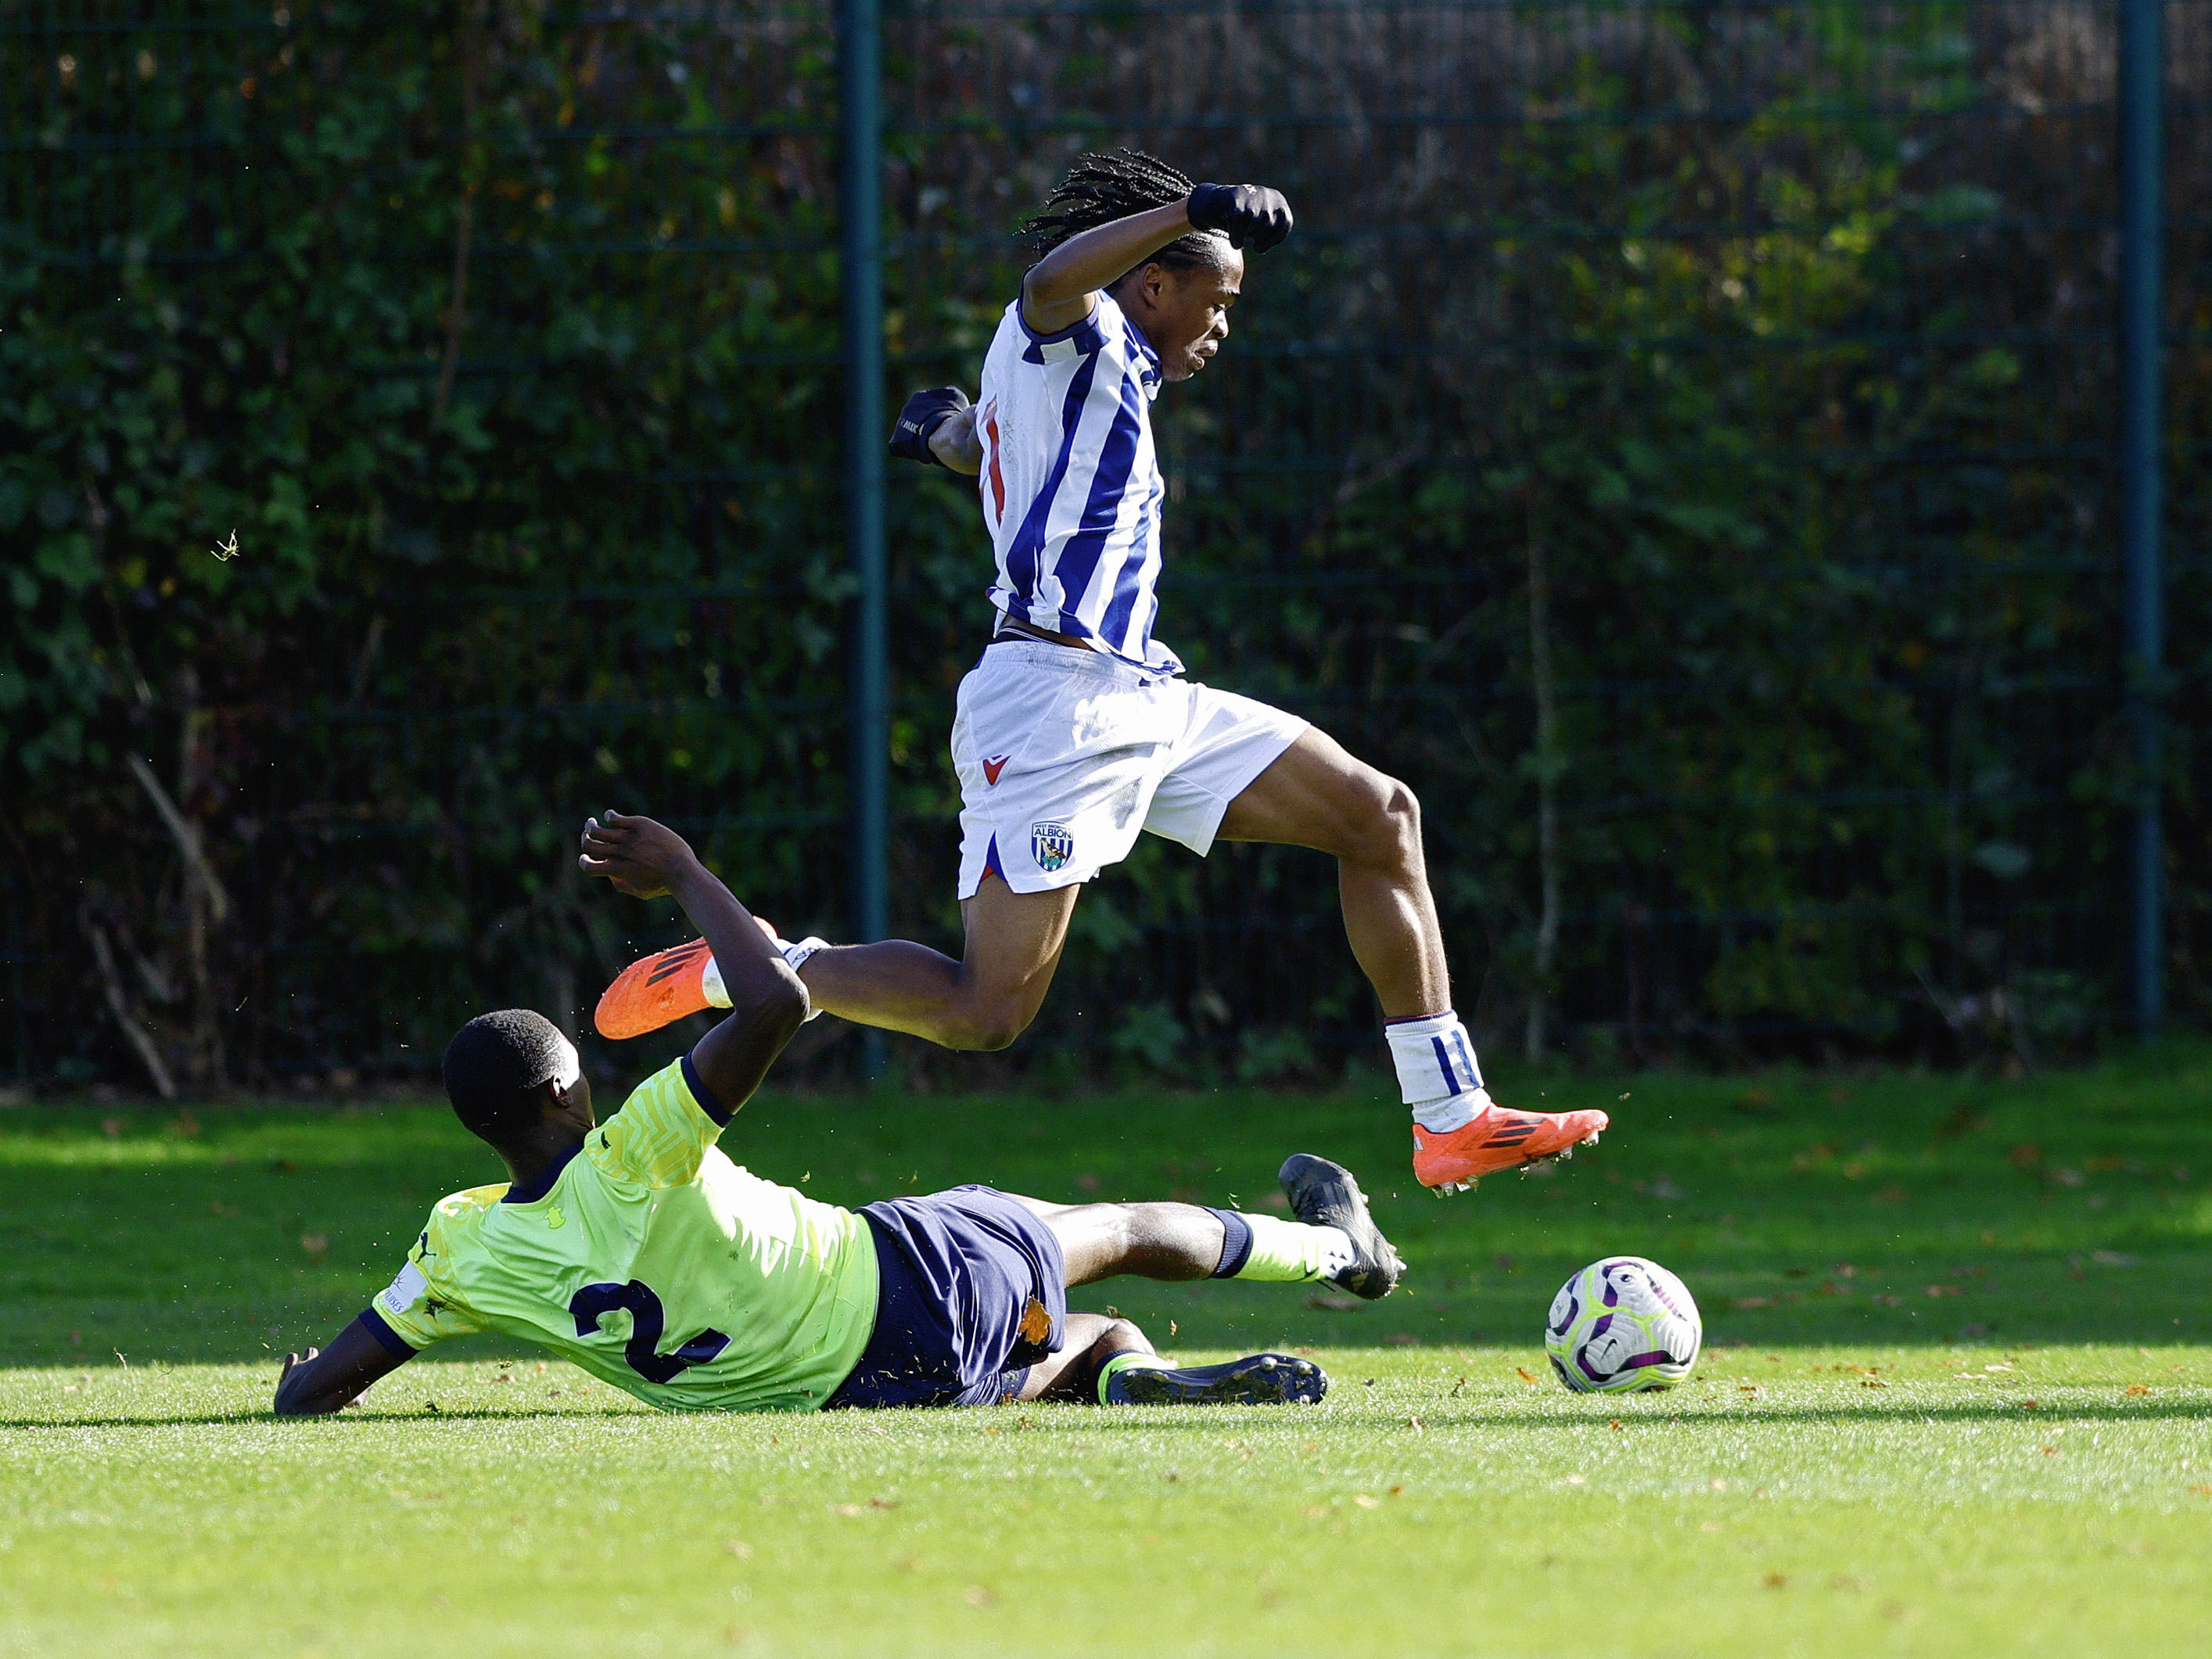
(652, 1261)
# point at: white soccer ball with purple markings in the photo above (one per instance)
(1621, 1324)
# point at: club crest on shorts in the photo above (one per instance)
(1054, 844)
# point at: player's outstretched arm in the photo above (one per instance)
(768, 1001)
(1057, 293)
(325, 1380)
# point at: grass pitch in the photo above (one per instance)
(1955, 1398)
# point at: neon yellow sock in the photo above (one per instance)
(1128, 1361)
(1291, 1252)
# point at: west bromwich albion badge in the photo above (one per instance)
(1054, 844)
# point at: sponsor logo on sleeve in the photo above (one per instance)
(403, 1292)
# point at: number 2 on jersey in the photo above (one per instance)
(647, 1322)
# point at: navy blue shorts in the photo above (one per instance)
(972, 1292)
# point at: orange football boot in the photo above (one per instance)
(1499, 1138)
(662, 988)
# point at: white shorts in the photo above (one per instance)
(1065, 755)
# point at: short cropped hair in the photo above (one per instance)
(496, 1064)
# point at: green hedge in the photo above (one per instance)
(1676, 443)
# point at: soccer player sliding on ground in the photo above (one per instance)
(1076, 731)
(638, 1250)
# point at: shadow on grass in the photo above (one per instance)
(205, 1420)
(1149, 1420)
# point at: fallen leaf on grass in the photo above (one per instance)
(1315, 1511)
(976, 1595)
(2203, 1492)
(1775, 1580)
(1366, 1501)
(2137, 1390)
(1944, 1290)
(1522, 1374)
(1414, 1424)
(739, 1547)
(1872, 1382)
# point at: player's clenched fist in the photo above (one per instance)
(925, 411)
(1250, 215)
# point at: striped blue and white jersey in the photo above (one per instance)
(1070, 486)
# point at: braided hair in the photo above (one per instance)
(1101, 187)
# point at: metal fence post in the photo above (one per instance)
(859, 126)
(2141, 67)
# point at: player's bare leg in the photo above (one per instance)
(1316, 794)
(1090, 1339)
(1166, 1241)
(984, 1000)
(1109, 1359)
(1332, 1238)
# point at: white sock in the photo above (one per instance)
(1438, 1076)
(718, 994)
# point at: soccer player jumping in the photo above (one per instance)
(1076, 730)
(637, 1250)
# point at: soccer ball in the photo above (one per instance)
(1621, 1324)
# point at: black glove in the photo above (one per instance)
(918, 422)
(1250, 215)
